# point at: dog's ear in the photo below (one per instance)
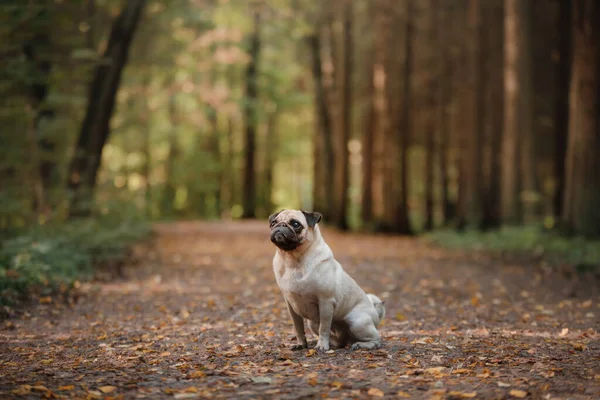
(273, 216)
(312, 218)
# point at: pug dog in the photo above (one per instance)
(317, 290)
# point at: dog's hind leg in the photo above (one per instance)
(335, 340)
(363, 330)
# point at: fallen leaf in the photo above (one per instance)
(400, 316)
(40, 388)
(190, 389)
(521, 394)
(403, 394)
(375, 392)
(22, 390)
(503, 384)
(66, 387)
(462, 395)
(48, 361)
(261, 379)
(311, 352)
(107, 389)
(197, 375)
(186, 395)
(45, 300)
(579, 346)
(462, 371)
(435, 370)
(337, 384)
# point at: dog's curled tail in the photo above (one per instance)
(379, 305)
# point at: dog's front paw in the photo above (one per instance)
(300, 346)
(322, 346)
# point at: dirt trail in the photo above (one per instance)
(201, 316)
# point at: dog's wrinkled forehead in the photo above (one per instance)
(288, 215)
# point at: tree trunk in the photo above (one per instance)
(444, 99)
(401, 221)
(433, 105)
(581, 214)
(510, 142)
(95, 128)
(561, 112)
(169, 190)
(272, 149)
(343, 178)
(215, 150)
(324, 140)
(250, 115)
(491, 217)
(468, 209)
(529, 188)
(38, 54)
(367, 149)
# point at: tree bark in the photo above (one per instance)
(367, 149)
(324, 139)
(401, 221)
(561, 112)
(527, 157)
(510, 142)
(272, 149)
(169, 190)
(433, 105)
(95, 128)
(491, 217)
(581, 213)
(343, 179)
(250, 115)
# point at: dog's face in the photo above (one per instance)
(290, 229)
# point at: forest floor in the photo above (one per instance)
(200, 315)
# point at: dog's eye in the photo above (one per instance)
(296, 224)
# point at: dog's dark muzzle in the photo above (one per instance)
(285, 238)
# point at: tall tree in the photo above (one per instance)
(510, 143)
(581, 214)
(561, 110)
(95, 128)
(251, 122)
(325, 164)
(340, 212)
(490, 217)
(401, 221)
(430, 130)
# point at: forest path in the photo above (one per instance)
(201, 316)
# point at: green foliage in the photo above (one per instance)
(554, 248)
(44, 256)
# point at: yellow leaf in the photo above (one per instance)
(48, 361)
(191, 389)
(462, 395)
(461, 371)
(579, 346)
(337, 384)
(311, 352)
(107, 389)
(165, 354)
(312, 381)
(435, 370)
(400, 316)
(475, 301)
(66, 387)
(22, 390)
(403, 394)
(375, 392)
(45, 300)
(40, 388)
(521, 394)
(197, 374)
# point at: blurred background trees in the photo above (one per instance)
(387, 115)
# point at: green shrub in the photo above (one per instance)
(554, 248)
(46, 256)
